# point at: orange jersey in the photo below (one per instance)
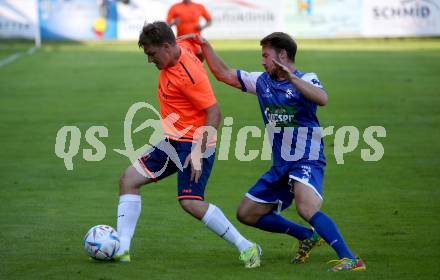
(184, 89)
(188, 16)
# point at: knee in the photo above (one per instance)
(126, 183)
(123, 181)
(186, 204)
(190, 206)
(245, 217)
(241, 216)
(306, 210)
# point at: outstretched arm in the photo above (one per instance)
(218, 67)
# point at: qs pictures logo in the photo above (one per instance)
(346, 139)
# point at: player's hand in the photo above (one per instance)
(195, 159)
(175, 21)
(282, 71)
(195, 38)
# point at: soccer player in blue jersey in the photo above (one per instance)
(288, 102)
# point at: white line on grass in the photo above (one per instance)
(15, 56)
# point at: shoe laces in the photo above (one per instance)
(344, 262)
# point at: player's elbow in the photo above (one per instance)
(221, 76)
(217, 117)
(230, 80)
(221, 73)
(322, 100)
(213, 116)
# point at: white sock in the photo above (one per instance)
(129, 209)
(216, 221)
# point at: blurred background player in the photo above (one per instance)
(288, 101)
(186, 16)
(184, 89)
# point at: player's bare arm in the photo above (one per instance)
(213, 117)
(315, 94)
(175, 21)
(218, 67)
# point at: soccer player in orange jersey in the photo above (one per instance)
(186, 97)
(186, 16)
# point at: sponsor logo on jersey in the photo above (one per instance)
(279, 117)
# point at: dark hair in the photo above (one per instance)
(280, 41)
(156, 33)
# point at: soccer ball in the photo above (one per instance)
(101, 242)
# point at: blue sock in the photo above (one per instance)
(276, 223)
(327, 229)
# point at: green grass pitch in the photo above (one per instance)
(388, 211)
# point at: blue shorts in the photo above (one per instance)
(276, 185)
(168, 157)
